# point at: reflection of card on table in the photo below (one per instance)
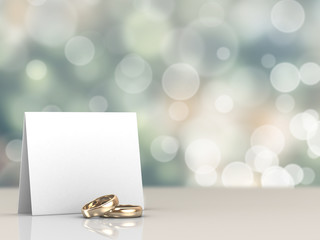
(68, 159)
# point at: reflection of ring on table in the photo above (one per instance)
(124, 211)
(100, 206)
(101, 227)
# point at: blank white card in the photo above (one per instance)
(69, 159)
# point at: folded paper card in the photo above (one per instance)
(68, 159)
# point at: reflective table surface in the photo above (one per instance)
(181, 213)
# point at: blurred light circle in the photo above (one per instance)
(287, 16)
(268, 136)
(158, 10)
(178, 111)
(198, 52)
(211, 91)
(180, 81)
(265, 159)
(79, 50)
(211, 14)
(310, 73)
(285, 77)
(296, 173)
(98, 104)
(202, 152)
(313, 113)
(170, 145)
(276, 177)
(224, 104)
(285, 103)
(13, 150)
(223, 53)
(37, 2)
(51, 108)
(51, 23)
(144, 34)
(36, 69)
(301, 124)
(164, 148)
(313, 139)
(132, 66)
(268, 60)
(205, 177)
(250, 86)
(133, 74)
(237, 174)
(309, 176)
(259, 158)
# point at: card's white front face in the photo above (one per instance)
(76, 157)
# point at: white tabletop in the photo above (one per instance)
(181, 213)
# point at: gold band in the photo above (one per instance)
(124, 211)
(100, 206)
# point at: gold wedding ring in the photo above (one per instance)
(100, 206)
(124, 211)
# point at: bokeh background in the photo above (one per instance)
(227, 92)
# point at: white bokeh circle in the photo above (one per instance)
(202, 152)
(223, 53)
(237, 174)
(36, 69)
(310, 73)
(79, 50)
(224, 104)
(313, 139)
(98, 104)
(275, 177)
(301, 124)
(296, 173)
(164, 148)
(206, 178)
(133, 74)
(285, 77)
(285, 103)
(309, 176)
(268, 60)
(180, 81)
(13, 150)
(259, 158)
(287, 16)
(268, 136)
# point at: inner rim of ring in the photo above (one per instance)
(98, 202)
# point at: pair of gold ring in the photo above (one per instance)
(108, 206)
